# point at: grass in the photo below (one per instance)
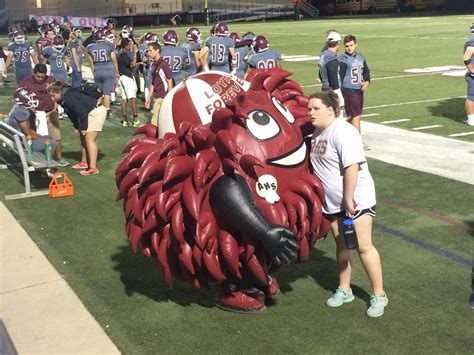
(428, 312)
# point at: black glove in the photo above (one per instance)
(280, 244)
(231, 199)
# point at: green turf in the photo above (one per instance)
(428, 311)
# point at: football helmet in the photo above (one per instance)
(99, 35)
(25, 98)
(151, 37)
(19, 37)
(127, 31)
(170, 37)
(55, 27)
(472, 28)
(221, 29)
(249, 36)
(109, 36)
(77, 31)
(193, 34)
(234, 36)
(11, 36)
(58, 43)
(111, 21)
(260, 44)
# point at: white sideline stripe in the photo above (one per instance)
(414, 102)
(382, 78)
(396, 121)
(301, 59)
(427, 127)
(371, 114)
(461, 134)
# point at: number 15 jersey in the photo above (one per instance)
(101, 55)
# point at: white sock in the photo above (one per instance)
(112, 96)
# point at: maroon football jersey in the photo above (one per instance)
(46, 102)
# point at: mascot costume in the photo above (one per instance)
(222, 192)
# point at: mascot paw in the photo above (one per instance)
(241, 301)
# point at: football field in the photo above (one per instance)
(424, 228)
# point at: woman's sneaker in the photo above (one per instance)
(377, 306)
(340, 297)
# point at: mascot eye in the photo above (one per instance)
(283, 110)
(261, 125)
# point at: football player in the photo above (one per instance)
(469, 63)
(177, 57)
(329, 66)
(149, 38)
(264, 57)
(103, 63)
(126, 62)
(193, 47)
(21, 53)
(56, 57)
(242, 52)
(110, 24)
(355, 79)
(75, 56)
(45, 41)
(221, 46)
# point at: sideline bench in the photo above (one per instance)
(13, 142)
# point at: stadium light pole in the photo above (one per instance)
(206, 12)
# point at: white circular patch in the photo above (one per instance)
(266, 187)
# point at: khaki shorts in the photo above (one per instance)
(53, 124)
(96, 119)
(156, 111)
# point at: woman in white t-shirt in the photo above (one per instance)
(337, 158)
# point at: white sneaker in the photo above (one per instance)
(340, 297)
(377, 306)
(470, 123)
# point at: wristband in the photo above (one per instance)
(467, 62)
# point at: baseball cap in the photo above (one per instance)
(333, 37)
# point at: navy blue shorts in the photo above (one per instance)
(342, 215)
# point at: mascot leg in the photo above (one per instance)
(233, 203)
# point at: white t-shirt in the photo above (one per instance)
(333, 149)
